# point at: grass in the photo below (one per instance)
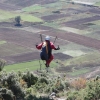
(2, 42)
(30, 18)
(97, 4)
(74, 30)
(94, 35)
(75, 50)
(96, 22)
(52, 24)
(88, 58)
(54, 5)
(58, 5)
(31, 66)
(79, 72)
(33, 8)
(5, 16)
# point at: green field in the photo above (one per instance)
(33, 8)
(74, 49)
(2, 42)
(88, 58)
(6, 15)
(97, 4)
(79, 72)
(31, 66)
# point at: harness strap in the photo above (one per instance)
(46, 47)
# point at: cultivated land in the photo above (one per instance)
(76, 26)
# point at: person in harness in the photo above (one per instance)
(46, 50)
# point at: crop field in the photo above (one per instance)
(5, 16)
(97, 4)
(76, 26)
(30, 65)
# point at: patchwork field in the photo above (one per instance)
(76, 26)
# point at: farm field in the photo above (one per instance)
(30, 66)
(76, 26)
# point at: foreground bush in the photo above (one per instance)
(27, 86)
(29, 78)
(90, 92)
(11, 82)
(6, 94)
(31, 97)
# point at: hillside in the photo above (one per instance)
(47, 86)
(75, 23)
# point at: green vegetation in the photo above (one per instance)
(52, 24)
(2, 42)
(31, 66)
(85, 59)
(56, 4)
(33, 8)
(74, 49)
(78, 72)
(5, 15)
(30, 18)
(97, 4)
(29, 86)
(90, 92)
(96, 22)
(19, 80)
(74, 30)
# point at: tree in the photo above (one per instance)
(17, 20)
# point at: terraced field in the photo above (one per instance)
(73, 24)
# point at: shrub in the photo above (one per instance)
(72, 96)
(43, 80)
(17, 20)
(92, 90)
(31, 97)
(2, 64)
(58, 85)
(6, 94)
(29, 78)
(79, 83)
(12, 83)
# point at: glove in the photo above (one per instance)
(36, 45)
(57, 48)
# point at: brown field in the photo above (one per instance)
(25, 3)
(22, 57)
(27, 40)
(55, 16)
(20, 46)
(85, 20)
(95, 10)
(9, 7)
(79, 39)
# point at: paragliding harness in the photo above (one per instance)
(46, 51)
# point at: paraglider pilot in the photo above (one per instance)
(46, 50)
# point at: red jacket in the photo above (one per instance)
(43, 43)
